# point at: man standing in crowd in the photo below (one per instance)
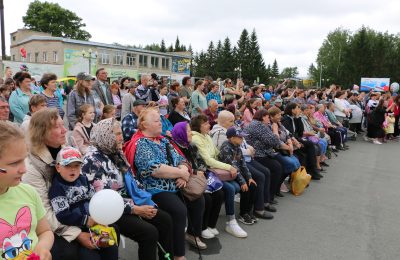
(143, 91)
(7, 74)
(186, 91)
(4, 109)
(129, 122)
(102, 87)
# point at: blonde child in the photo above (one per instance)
(389, 129)
(24, 229)
(109, 112)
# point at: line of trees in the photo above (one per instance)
(345, 57)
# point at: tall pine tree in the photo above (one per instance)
(242, 55)
(162, 47)
(257, 67)
(275, 69)
(177, 44)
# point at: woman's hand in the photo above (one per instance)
(144, 211)
(244, 187)
(184, 173)
(180, 183)
(275, 128)
(85, 240)
(233, 171)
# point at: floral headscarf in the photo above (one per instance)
(103, 138)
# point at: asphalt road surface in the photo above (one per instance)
(352, 213)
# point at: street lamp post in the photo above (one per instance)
(90, 55)
(3, 42)
(239, 71)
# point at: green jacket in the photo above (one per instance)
(208, 151)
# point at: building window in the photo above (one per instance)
(165, 63)
(105, 58)
(118, 58)
(29, 57)
(154, 62)
(36, 57)
(44, 56)
(130, 59)
(142, 60)
(13, 57)
(55, 56)
(13, 38)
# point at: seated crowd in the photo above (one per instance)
(246, 142)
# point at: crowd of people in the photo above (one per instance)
(147, 140)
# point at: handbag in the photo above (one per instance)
(223, 175)
(313, 139)
(299, 181)
(213, 183)
(195, 187)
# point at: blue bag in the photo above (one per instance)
(213, 183)
(139, 196)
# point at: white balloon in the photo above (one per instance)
(106, 206)
(394, 87)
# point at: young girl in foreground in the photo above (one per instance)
(23, 227)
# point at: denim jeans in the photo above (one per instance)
(230, 189)
(289, 163)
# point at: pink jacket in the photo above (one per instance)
(322, 118)
(81, 138)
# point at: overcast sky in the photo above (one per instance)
(289, 31)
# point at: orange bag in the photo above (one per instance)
(299, 181)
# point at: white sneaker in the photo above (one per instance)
(214, 231)
(376, 142)
(233, 228)
(207, 234)
(366, 138)
(237, 198)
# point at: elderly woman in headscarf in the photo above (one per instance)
(105, 166)
(182, 136)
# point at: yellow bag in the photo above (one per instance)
(299, 181)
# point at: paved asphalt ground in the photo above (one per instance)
(352, 213)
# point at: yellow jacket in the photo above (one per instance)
(208, 151)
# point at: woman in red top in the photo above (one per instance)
(394, 106)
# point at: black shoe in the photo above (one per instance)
(322, 170)
(335, 150)
(340, 148)
(319, 175)
(246, 219)
(270, 208)
(264, 215)
(253, 217)
(313, 177)
(274, 202)
(324, 164)
(279, 194)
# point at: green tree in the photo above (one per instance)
(177, 44)
(289, 72)
(52, 18)
(257, 68)
(210, 60)
(171, 48)
(275, 69)
(162, 47)
(242, 56)
(227, 60)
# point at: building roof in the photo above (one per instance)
(97, 44)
